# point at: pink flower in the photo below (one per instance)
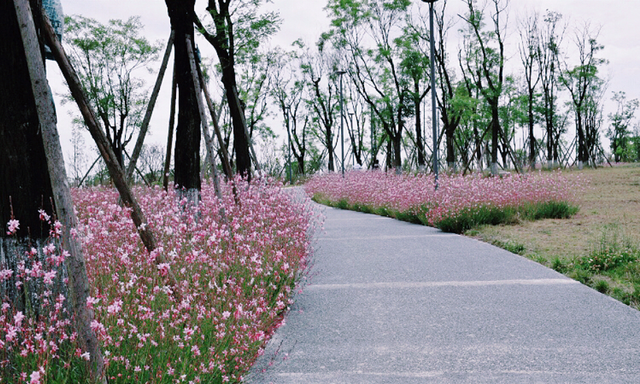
(164, 269)
(49, 276)
(5, 274)
(12, 334)
(115, 307)
(17, 318)
(14, 225)
(35, 377)
(43, 215)
(91, 301)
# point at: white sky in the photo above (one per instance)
(306, 19)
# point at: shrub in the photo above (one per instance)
(235, 281)
(460, 202)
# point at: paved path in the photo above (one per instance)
(393, 302)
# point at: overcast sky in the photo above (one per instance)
(306, 19)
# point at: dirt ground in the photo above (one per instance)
(610, 201)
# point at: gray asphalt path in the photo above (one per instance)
(393, 302)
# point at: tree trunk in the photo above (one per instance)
(532, 139)
(582, 156)
(25, 185)
(451, 153)
(397, 154)
(224, 156)
(225, 51)
(236, 111)
(389, 154)
(550, 137)
(147, 116)
(495, 131)
(479, 141)
(331, 153)
(300, 160)
(172, 117)
(187, 152)
(78, 280)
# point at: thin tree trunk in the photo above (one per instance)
(532, 138)
(495, 131)
(147, 116)
(203, 117)
(78, 280)
(214, 117)
(172, 117)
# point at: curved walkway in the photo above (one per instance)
(393, 302)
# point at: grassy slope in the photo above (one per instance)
(610, 203)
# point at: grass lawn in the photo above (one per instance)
(599, 246)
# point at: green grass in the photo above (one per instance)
(467, 219)
(612, 267)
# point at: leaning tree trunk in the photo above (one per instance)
(152, 103)
(41, 107)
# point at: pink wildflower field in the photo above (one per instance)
(235, 282)
(457, 204)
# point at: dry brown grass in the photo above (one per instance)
(612, 198)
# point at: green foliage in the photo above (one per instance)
(386, 68)
(612, 267)
(342, 204)
(618, 133)
(471, 218)
(508, 245)
(548, 210)
(601, 286)
(109, 59)
(559, 265)
(610, 253)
